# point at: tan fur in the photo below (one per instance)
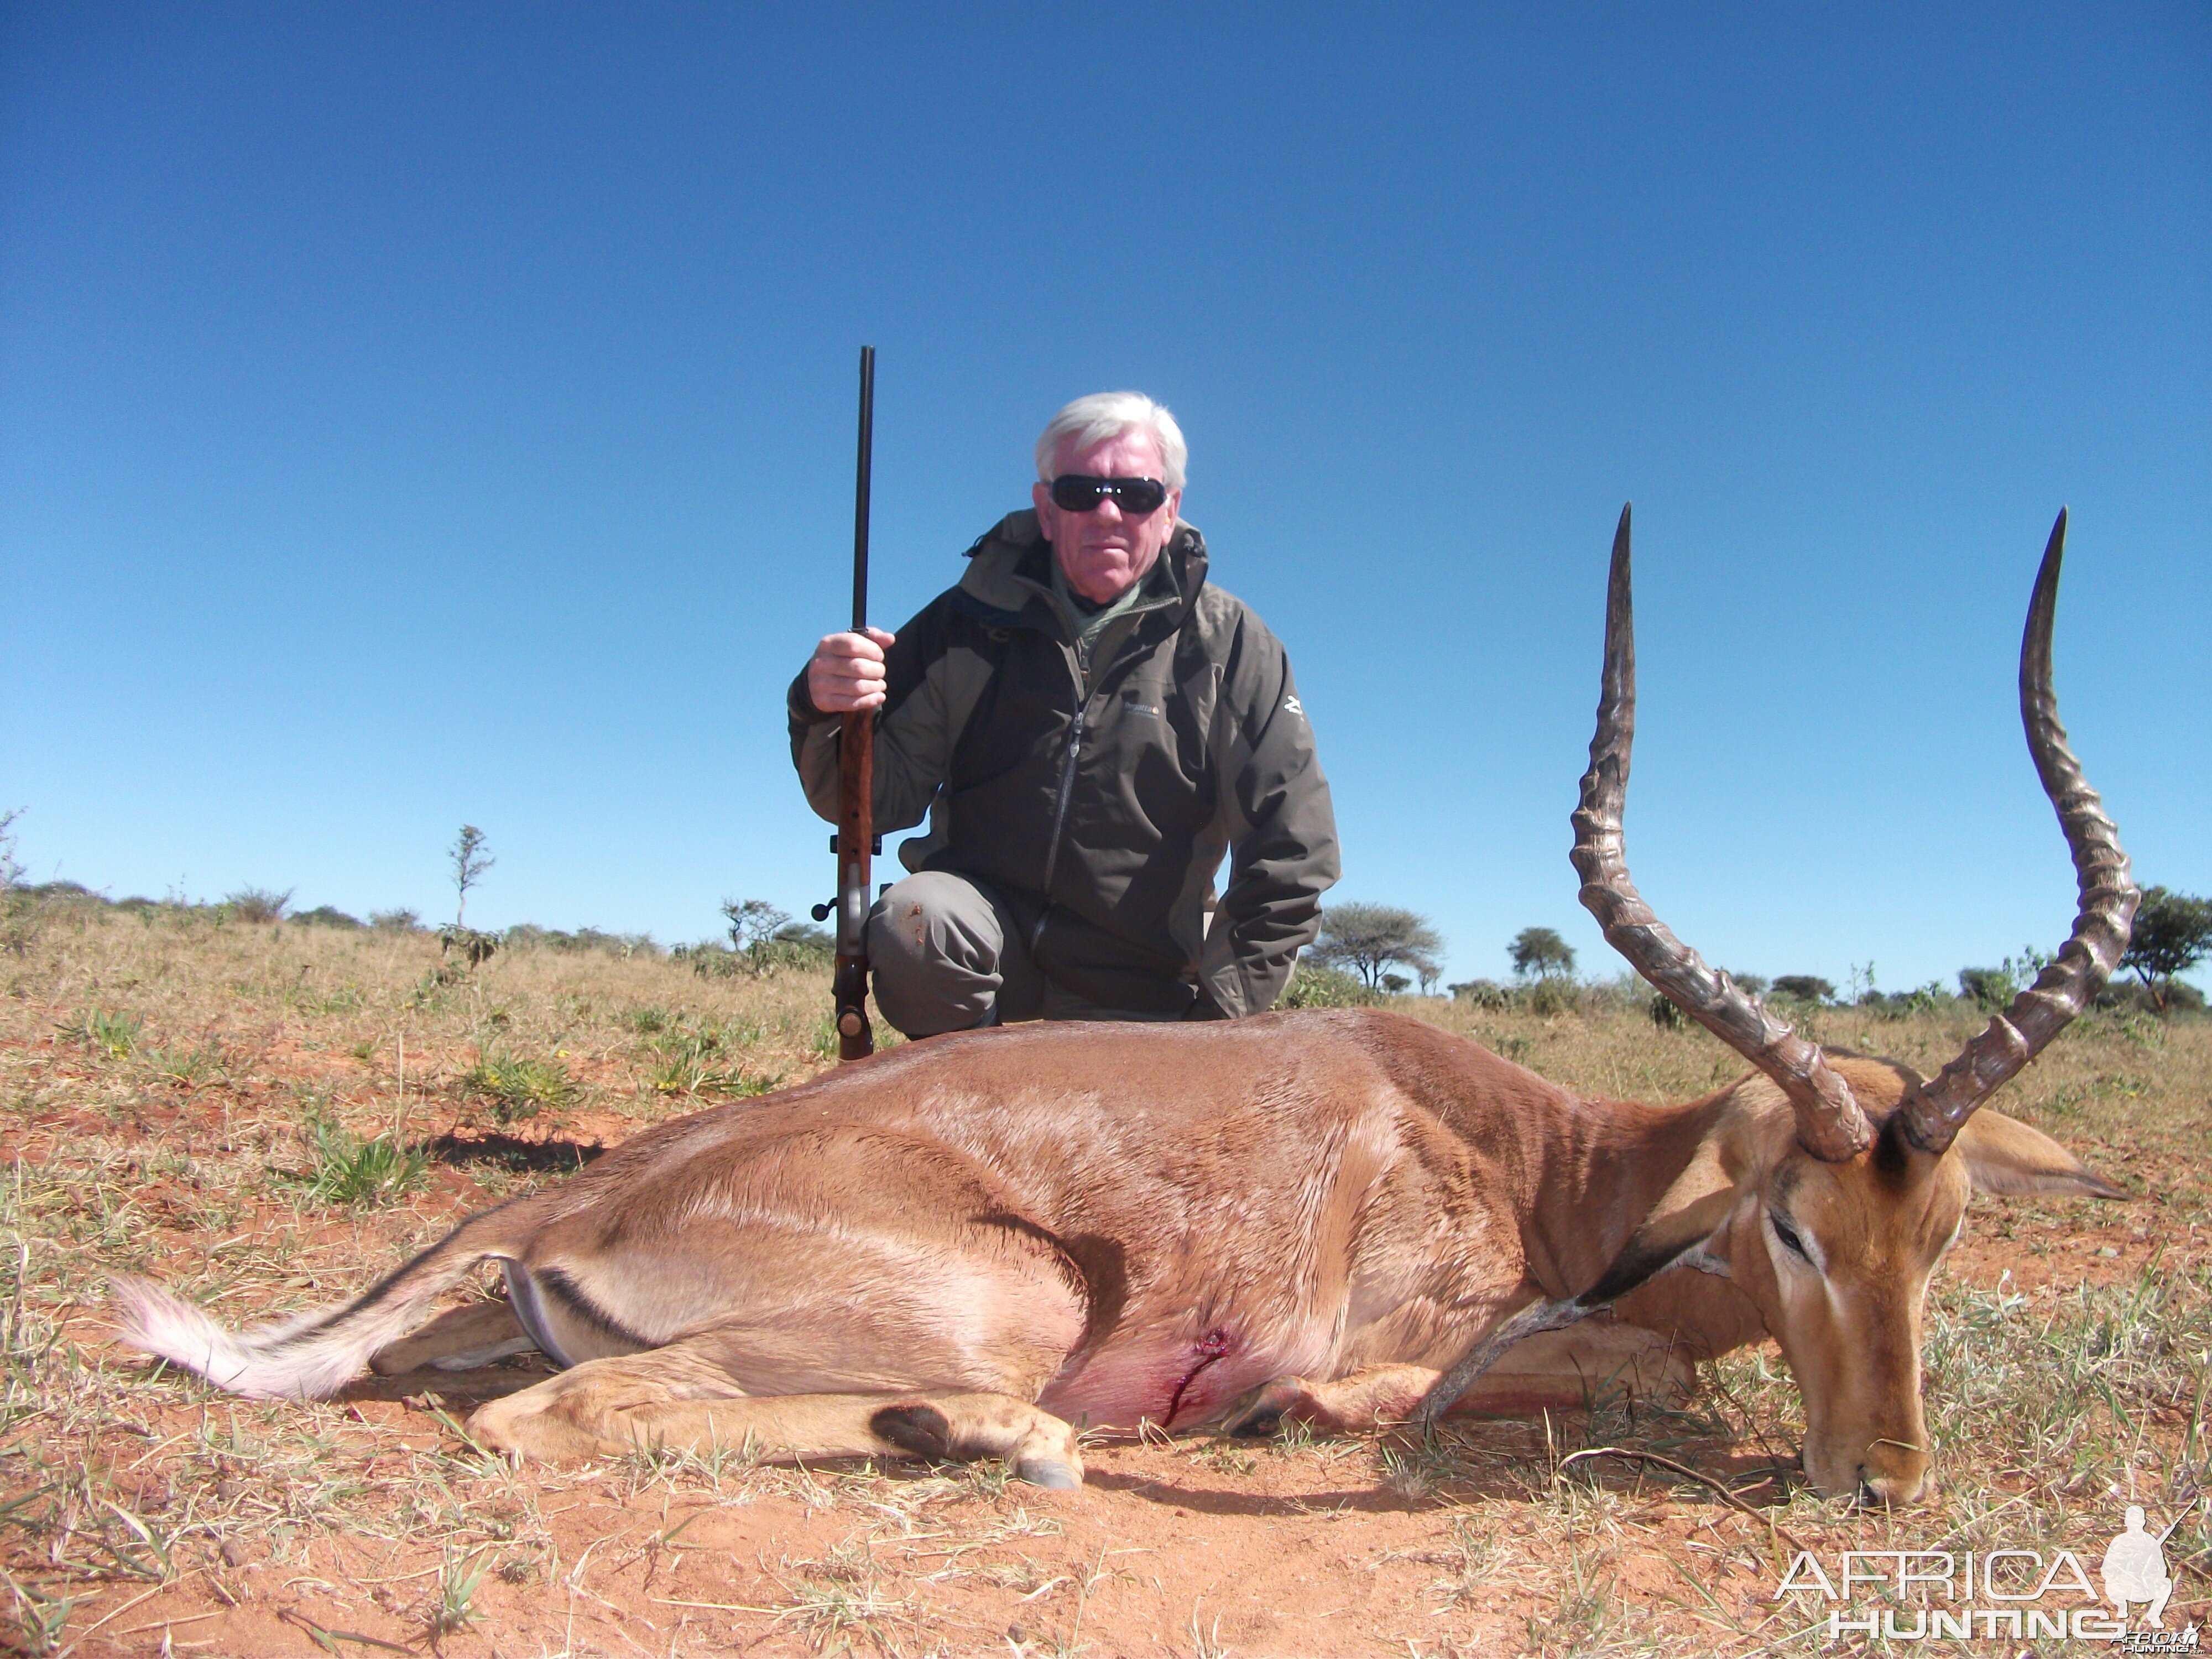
(454, 1336)
(997, 1237)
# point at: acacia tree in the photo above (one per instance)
(2172, 934)
(1539, 953)
(1369, 938)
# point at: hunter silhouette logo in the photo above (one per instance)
(2008, 1594)
(2134, 1568)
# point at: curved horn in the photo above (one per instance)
(1830, 1124)
(1932, 1111)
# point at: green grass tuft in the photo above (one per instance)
(344, 1168)
(518, 1087)
(114, 1035)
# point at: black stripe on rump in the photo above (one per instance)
(552, 1282)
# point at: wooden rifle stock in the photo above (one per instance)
(856, 779)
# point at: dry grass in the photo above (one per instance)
(265, 1116)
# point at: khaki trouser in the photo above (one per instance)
(948, 954)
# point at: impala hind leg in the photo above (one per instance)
(457, 1340)
(680, 1398)
(1568, 1369)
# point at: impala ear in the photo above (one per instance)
(2006, 1158)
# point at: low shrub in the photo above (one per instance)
(257, 904)
(796, 948)
(526, 937)
(1481, 993)
(518, 1087)
(1317, 985)
(1551, 996)
(325, 916)
(1986, 988)
(474, 948)
(1898, 1005)
(1804, 988)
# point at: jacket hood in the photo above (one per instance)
(1006, 569)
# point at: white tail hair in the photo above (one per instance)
(314, 1355)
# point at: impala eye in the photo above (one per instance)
(1788, 1234)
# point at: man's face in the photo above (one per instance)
(1105, 552)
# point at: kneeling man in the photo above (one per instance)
(1089, 725)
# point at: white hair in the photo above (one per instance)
(1106, 414)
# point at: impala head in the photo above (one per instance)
(1837, 1183)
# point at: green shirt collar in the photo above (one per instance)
(1091, 620)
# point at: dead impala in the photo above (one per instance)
(967, 1246)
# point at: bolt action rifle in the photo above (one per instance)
(856, 778)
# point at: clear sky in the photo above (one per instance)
(415, 414)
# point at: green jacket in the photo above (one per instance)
(1098, 789)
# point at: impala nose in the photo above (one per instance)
(1892, 1483)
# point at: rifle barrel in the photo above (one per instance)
(856, 775)
(862, 487)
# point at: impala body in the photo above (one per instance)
(977, 1244)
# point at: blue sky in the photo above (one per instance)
(415, 414)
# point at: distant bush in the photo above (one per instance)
(1986, 988)
(763, 940)
(1666, 1016)
(2173, 996)
(19, 911)
(1750, 984)
(1806, 988)
(1896, 1004)
(395, 921)
(525, 937)
(1553, 994)
(258, 904)
(474, 949)
(2180, 995)
(811, 951)
(1318, 985)
(325, 916)
(1481, 992)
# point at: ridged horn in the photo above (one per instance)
(1830, 1123)
(1933, 1111)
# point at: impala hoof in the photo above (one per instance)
(1048, 1472)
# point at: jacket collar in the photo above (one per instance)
(1006, 573)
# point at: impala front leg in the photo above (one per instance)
(1570, 1369)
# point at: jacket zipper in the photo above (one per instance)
(1060, 816)
(1085, 677)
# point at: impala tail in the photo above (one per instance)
(315, 1354)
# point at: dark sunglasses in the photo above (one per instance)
(1073, 492)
